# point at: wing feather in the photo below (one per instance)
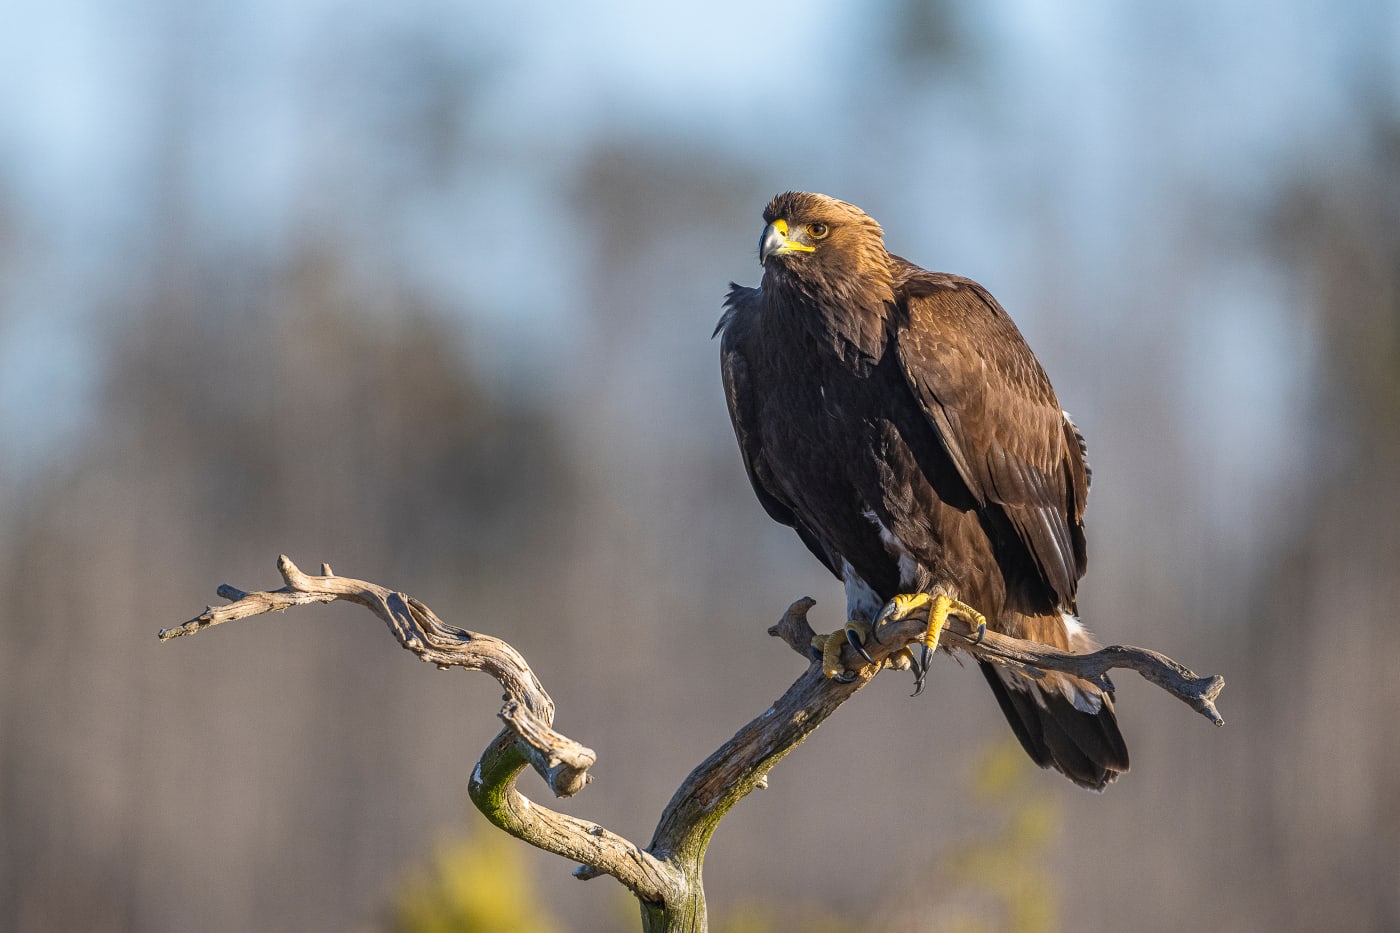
(997, 417)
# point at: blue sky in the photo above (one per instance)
(1100, 113)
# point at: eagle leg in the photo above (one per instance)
(939, 607)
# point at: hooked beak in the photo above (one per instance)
(770, 243)
(775, 241)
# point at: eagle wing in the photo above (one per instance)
(736, 324)
(997, 416)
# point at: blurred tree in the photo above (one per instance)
(247, 411)
(931, 35)
(1324, 757)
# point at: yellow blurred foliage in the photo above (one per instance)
(475, 885)
(998, 881)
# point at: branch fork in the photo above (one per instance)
(666, 875)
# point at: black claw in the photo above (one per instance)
(925, 657)
(844, 677)
(919, 674)
(923, 660)
(981, 634)
(855, 643)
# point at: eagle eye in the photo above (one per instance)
(818, 231)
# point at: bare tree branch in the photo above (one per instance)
(1034, 659)
(528, 713)
(666, 876)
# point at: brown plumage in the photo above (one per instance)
(897, 420)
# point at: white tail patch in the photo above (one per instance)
(1084, 698)
(1080, 639)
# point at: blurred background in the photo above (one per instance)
(425, 290)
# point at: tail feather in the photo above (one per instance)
(1057, 732)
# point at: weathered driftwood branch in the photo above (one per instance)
(528, 738)
(529, 712)
(1181, 682)
(666, 876)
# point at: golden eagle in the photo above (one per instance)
(897, 420)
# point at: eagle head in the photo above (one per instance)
(802, 224)
(826, 268)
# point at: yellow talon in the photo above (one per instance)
(831, 655)
(939, 607)
(903, 606)
(855, 634)
(945, 606)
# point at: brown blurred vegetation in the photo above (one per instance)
(230, 432)
(578, 494)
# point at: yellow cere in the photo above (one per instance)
(791, 246)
